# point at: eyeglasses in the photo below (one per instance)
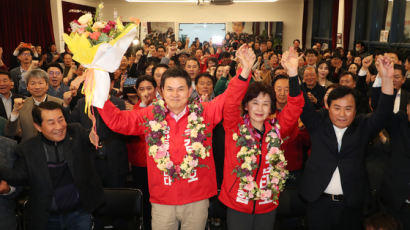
(26, 54)
(54, 73)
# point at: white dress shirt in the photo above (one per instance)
(335, 185)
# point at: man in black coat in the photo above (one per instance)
(396, 182)
(58, 167)
(334, 178)
(6, 96)
(7, 193)
(111, 159)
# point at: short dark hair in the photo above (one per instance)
(296, 40)
(361, 43)
(193, 59)
(342, 91)
(311, 51)
(24, 49)
(65, 53)
(345, 73)
(56, 65)
(279, 77)
(176, 72)
(225, 55)
(159, 66)
(401, 68)
(162, 47)
(2, 72)
(212, 59)
(47, 105)
(207, 75)
(145, 78)
(255, 89)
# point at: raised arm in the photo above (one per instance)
(288, 118)
(384, 111)
(236, 89)
(127, 122)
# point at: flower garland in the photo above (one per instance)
(247, 156)
(158, 142)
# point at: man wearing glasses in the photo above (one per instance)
(25, 56)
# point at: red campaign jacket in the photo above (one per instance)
(294, 147)
(230, 194)
(202, 183)
(136, 147)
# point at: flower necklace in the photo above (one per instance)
(158, 140)
(248, 162)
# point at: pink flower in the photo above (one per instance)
(250, 195)
(160, 154)
(193, 116)
(193, 163)
(249, 178)
(169, 164)
(111, 23)
(178, 169)
(281, 164)
(95, 35)
(275, 180)
(106, 29)
(273, 134)
(249, 186)
(266, 194)
(273, 150)
(253, 158)
(81, 30)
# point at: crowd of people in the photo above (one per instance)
(239, 135)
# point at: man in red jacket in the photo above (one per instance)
(181, 170)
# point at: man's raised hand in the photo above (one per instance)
(385, 68)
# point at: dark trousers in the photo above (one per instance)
(325, 214)
(76, 220)
(140, 177)
(245, 221)
(404, 216)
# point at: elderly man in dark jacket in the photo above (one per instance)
(58, 167)
(7, 193)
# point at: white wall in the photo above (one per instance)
(290, 12)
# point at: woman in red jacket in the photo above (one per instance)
(254, 171)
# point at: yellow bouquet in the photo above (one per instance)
(99, 46)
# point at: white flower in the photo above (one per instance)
(156, 127)
(281, 157)
(194, 133)
(85, 19)
(235, 137)
(197, 146)
(101, 5)
(153, 149)
(248, 160)
(98, 25)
